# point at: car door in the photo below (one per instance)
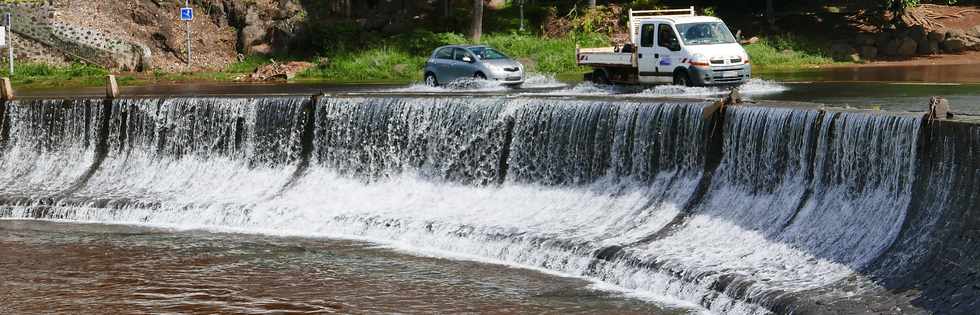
(441, 63)
(646, 54)
(668, 52)
(463, 69)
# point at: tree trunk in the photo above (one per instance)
(770, 15)
(592, 3)
(476, 29)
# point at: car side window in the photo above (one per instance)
(459, 53)
(646, 35)
(667, 38)
(445, 53)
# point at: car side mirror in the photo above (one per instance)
(467, 59)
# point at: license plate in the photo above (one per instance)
(729, 74)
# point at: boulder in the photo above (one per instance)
(923, 47)
(855, 58)
(933, 47)
(869, 52)
(936, 36)
(953, 45)
(891, 49)
(882, 40)
(279, 71)
(865, 40)
(974, 31)
(918, 33)
(907, 47)
(841, 51)
(955, 33)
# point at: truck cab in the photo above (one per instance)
(667, 47)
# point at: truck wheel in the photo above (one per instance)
(600, 77)
(681, 78)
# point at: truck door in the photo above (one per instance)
(646, 54)
(668, 53)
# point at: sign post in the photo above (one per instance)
(187, 15)
(6, 43)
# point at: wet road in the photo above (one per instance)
(906, 88)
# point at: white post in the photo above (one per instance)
(10, 45)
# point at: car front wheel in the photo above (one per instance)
(480, 76)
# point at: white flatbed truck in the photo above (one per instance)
(670, 46)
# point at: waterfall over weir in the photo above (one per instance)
(747, 210)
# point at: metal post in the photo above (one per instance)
(187, 4)
(10, 45)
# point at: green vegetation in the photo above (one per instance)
(787, 52)
(43, 75)
(402, 58)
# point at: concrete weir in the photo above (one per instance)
(734, 207)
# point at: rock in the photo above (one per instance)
(923, 47)
(279, 71)
(255, 32)
(933, 47)
(869, 52)
(936, 36)
(953, 45)
(841, 51)
(955, 33)
(261, 49)
(918, 33)
(891, 49)
(971, 41)
(974, 31)
(855, 58)
(939, 108)
(882, 40)
(865, 40)
(907, 47)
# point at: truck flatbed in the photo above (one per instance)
(605, 56)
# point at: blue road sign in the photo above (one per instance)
(186, 14)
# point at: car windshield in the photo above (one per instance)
(708, 33)
(487, 53)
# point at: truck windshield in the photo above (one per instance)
(708, 33)
(487, 53)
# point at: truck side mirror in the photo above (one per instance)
(675, 46)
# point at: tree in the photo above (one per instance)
(476, 29)
(770, 15)
(592, 3)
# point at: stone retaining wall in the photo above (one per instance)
(35, 22)
(904, 43)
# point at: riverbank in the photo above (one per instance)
(400, 62)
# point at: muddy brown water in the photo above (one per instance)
(51, 267)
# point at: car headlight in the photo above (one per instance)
(699, 60)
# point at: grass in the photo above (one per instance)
(43, 75)
(787, 53)
(403, 59)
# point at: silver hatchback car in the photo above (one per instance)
(451, 63)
